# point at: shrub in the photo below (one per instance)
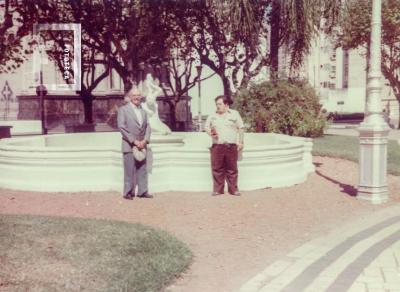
(286, 107)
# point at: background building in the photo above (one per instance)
(338, 75)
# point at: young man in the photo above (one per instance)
(225, 126)
(134, 126)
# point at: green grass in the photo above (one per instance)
(66, 254)
(347, 147)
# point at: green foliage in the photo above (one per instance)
(13, 27)
(347, 147)
(356, 23)
(287, 107)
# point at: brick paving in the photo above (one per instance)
(362, 256)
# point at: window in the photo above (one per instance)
(333, 71)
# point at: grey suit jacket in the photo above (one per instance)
(130, 128)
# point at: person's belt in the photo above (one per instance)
(226, 144)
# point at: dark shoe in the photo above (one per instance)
(128, 197)
(237, 193)
(146, 196)
(216, 194)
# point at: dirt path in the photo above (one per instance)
(232, 238)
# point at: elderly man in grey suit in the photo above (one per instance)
(134, 126)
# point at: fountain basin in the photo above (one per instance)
(178, 162)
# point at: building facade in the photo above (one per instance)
(338, 75)
(340, 78)
(64, 109)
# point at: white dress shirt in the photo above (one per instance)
(138, 113)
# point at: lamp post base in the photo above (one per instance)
(375, 195)
(373, 160)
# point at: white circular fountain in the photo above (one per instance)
(177, 162)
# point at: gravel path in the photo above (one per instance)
(232, 238)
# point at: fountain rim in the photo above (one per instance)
(6, 144)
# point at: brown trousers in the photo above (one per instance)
(224, 166)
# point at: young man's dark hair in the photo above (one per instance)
(224, 99)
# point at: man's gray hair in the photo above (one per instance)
(133, 90)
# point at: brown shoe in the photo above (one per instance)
(237, 193)
(128, 197)
(216, 194)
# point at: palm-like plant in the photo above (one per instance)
(245, 17)
(295, 23)
(292, 23)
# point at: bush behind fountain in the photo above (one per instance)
(285, 107)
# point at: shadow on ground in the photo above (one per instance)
(347, 189)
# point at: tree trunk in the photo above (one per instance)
(390, 75)
(172, 114)
(274, 39)
(88, 108)
(398, 121)
(398, 101)
(131, 76)
(127, 84)
(227, 88)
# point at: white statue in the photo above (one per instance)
(151, 90)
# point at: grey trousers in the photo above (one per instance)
(135, 172)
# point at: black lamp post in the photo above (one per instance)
(41, 92)
(142, 66)
(199, 68)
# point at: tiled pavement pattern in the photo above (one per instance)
(362, 256)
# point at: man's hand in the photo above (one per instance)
(240, 146)
(142, 144)
(213, 133)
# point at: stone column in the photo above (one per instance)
(374, 130)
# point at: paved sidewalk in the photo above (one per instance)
(362, 256)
